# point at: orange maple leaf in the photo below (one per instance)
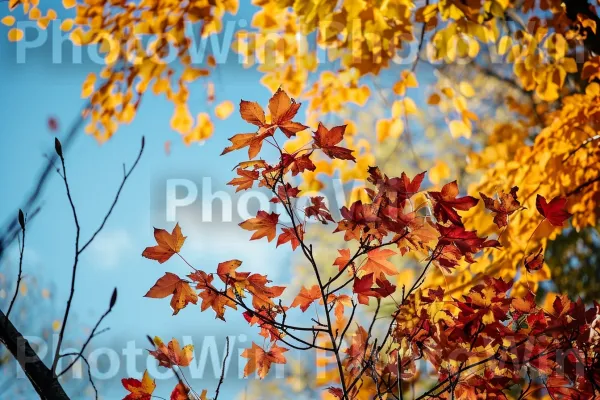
(171, 284)
(283, 109)
(172, 354)
(306, 297)
(167, 244)
(260, 360)
(253, 141)
(217, 301)
(245, 180)
(343, 259)
(264, 224)
(139, 390)
(262, 295)
(252, 113)
(377, 262)
(288, 235)
(227, 272)
(504, 206)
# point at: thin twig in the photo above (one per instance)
(20, 274)
(222, 368)
(90, 337)
(78, 250)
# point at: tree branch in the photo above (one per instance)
(41, 377)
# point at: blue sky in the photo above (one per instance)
(37, 89)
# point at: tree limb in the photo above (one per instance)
(40, 376)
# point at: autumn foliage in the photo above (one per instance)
(489, 342)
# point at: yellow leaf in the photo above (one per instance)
(69, 3)
(224, 110)
(34, 14)
(410, 80)
(410, 106)
(459, 128)
(439, 172)
(191, 74)
(203, 130)
(466, 89)
(504, 44)
(14, 35)
(56, 325)
(88, 86)
(66, 25)
(9, 20)
(182, 120)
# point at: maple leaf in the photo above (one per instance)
(172, 354)
(252, 113)
(167, 244)
(288, 235)
(266, 330)
(180, 392)
(306, 297)
(253, 141)
(326, 140)
(555, 211)
(356, 351)
(335, 391)
(446, 203)
(264, 224)
(535, 261)
(298, 164)
(285, 191)
(363, 288)
(340, 303)
(385, 287)
(226, 270)
(404, 188)
(283, 109)
(262, 294)
(171, 284)
(343, 259)
(202, 279)
(245, 181)
(377, 262)
(139, 390)
(217, 301)
(505, 205)
(467, 242)
(318, 209)
(260, 360)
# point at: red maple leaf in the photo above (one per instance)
(318, 209)
(326, 140)
(535, 261)
(555, 211)
(446, 203)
